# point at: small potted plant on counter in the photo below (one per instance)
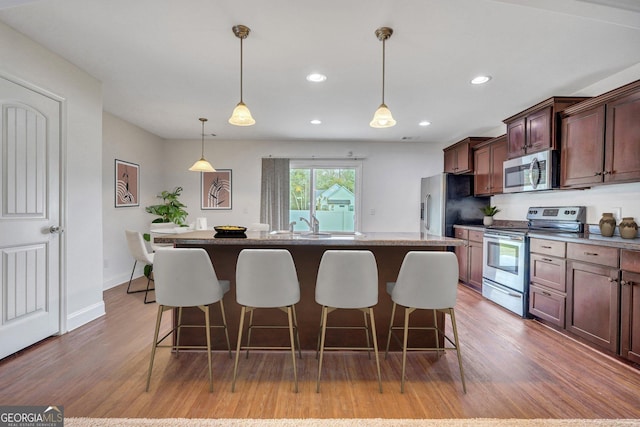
(489, 212)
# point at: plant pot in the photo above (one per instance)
(607, 224)
(487, 221)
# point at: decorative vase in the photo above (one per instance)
(488, 221)
(607, 224)
(628, 228)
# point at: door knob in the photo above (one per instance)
(55, 229)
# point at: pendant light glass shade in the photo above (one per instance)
(202, 165)
(241, 115)
(382, 118)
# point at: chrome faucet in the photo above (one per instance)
(315, 227)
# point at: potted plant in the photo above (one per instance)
(171, 209)
(489, 211)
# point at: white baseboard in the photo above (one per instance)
(119, 280)
(84, 316)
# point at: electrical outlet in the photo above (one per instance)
(617, 213)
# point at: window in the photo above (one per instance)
(328, 190)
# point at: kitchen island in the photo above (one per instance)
(389, 248)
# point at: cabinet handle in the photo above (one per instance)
(546, 247)
(546, 294)
(547, 259)
(597, 174)
(607, 173)
(591, 253)
(624, 282)
(612, 280)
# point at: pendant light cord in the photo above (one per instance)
(241, 55)
(383, 61)
(202, 156)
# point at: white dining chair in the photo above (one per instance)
(185, 277)
(348, 279)
(138, 250)
(426, 281)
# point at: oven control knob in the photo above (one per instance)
(567, 212)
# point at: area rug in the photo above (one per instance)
(315, 422)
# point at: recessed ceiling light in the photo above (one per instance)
(424, 123)
(316, 77)
(480, 80)
(316, 122)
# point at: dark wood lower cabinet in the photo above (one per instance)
(630, 317)
(475, 264)
(593, 312)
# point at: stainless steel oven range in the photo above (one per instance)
(505, 271)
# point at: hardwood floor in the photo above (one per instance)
(514, 368)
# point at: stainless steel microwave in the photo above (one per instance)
(533, 172)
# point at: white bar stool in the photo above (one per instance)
(347, 279)
(426, 281)
(185, 277)
(267, 278)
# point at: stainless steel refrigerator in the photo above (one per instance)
(447, 199)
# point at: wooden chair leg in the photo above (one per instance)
(207, 327)
(323, 331)
(457, 344)
(405, 339)
(393, 313)
(226, 330)
(293, 347)
(235, 365)
(154, 344)
(375, 347)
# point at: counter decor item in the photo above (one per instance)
(607, 224)
(628, 228)
(489, 212)
(230, 231)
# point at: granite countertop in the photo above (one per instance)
(591, 238)
(263, 238)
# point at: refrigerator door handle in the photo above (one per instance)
(427, 222)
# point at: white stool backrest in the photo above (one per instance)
(427, 280)
(347, 279)
(266, 278)
(137, 247)
(184, 277)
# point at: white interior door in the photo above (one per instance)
(29, 207)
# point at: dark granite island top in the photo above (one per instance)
(389, 249)
(400, 239)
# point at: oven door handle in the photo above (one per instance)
(511, 294)
(497, 237)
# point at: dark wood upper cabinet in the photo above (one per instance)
(488, 157)
(536, 129)
(458, 158)
(601, 139)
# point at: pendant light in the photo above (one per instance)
(241, 115)
(382, 117)
(202, 165)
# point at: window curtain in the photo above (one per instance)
(274, 199)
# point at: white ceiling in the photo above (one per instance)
(165, 63)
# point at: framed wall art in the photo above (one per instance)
(215, 189)
(127, 184)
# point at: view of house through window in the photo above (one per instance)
(327, 190)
